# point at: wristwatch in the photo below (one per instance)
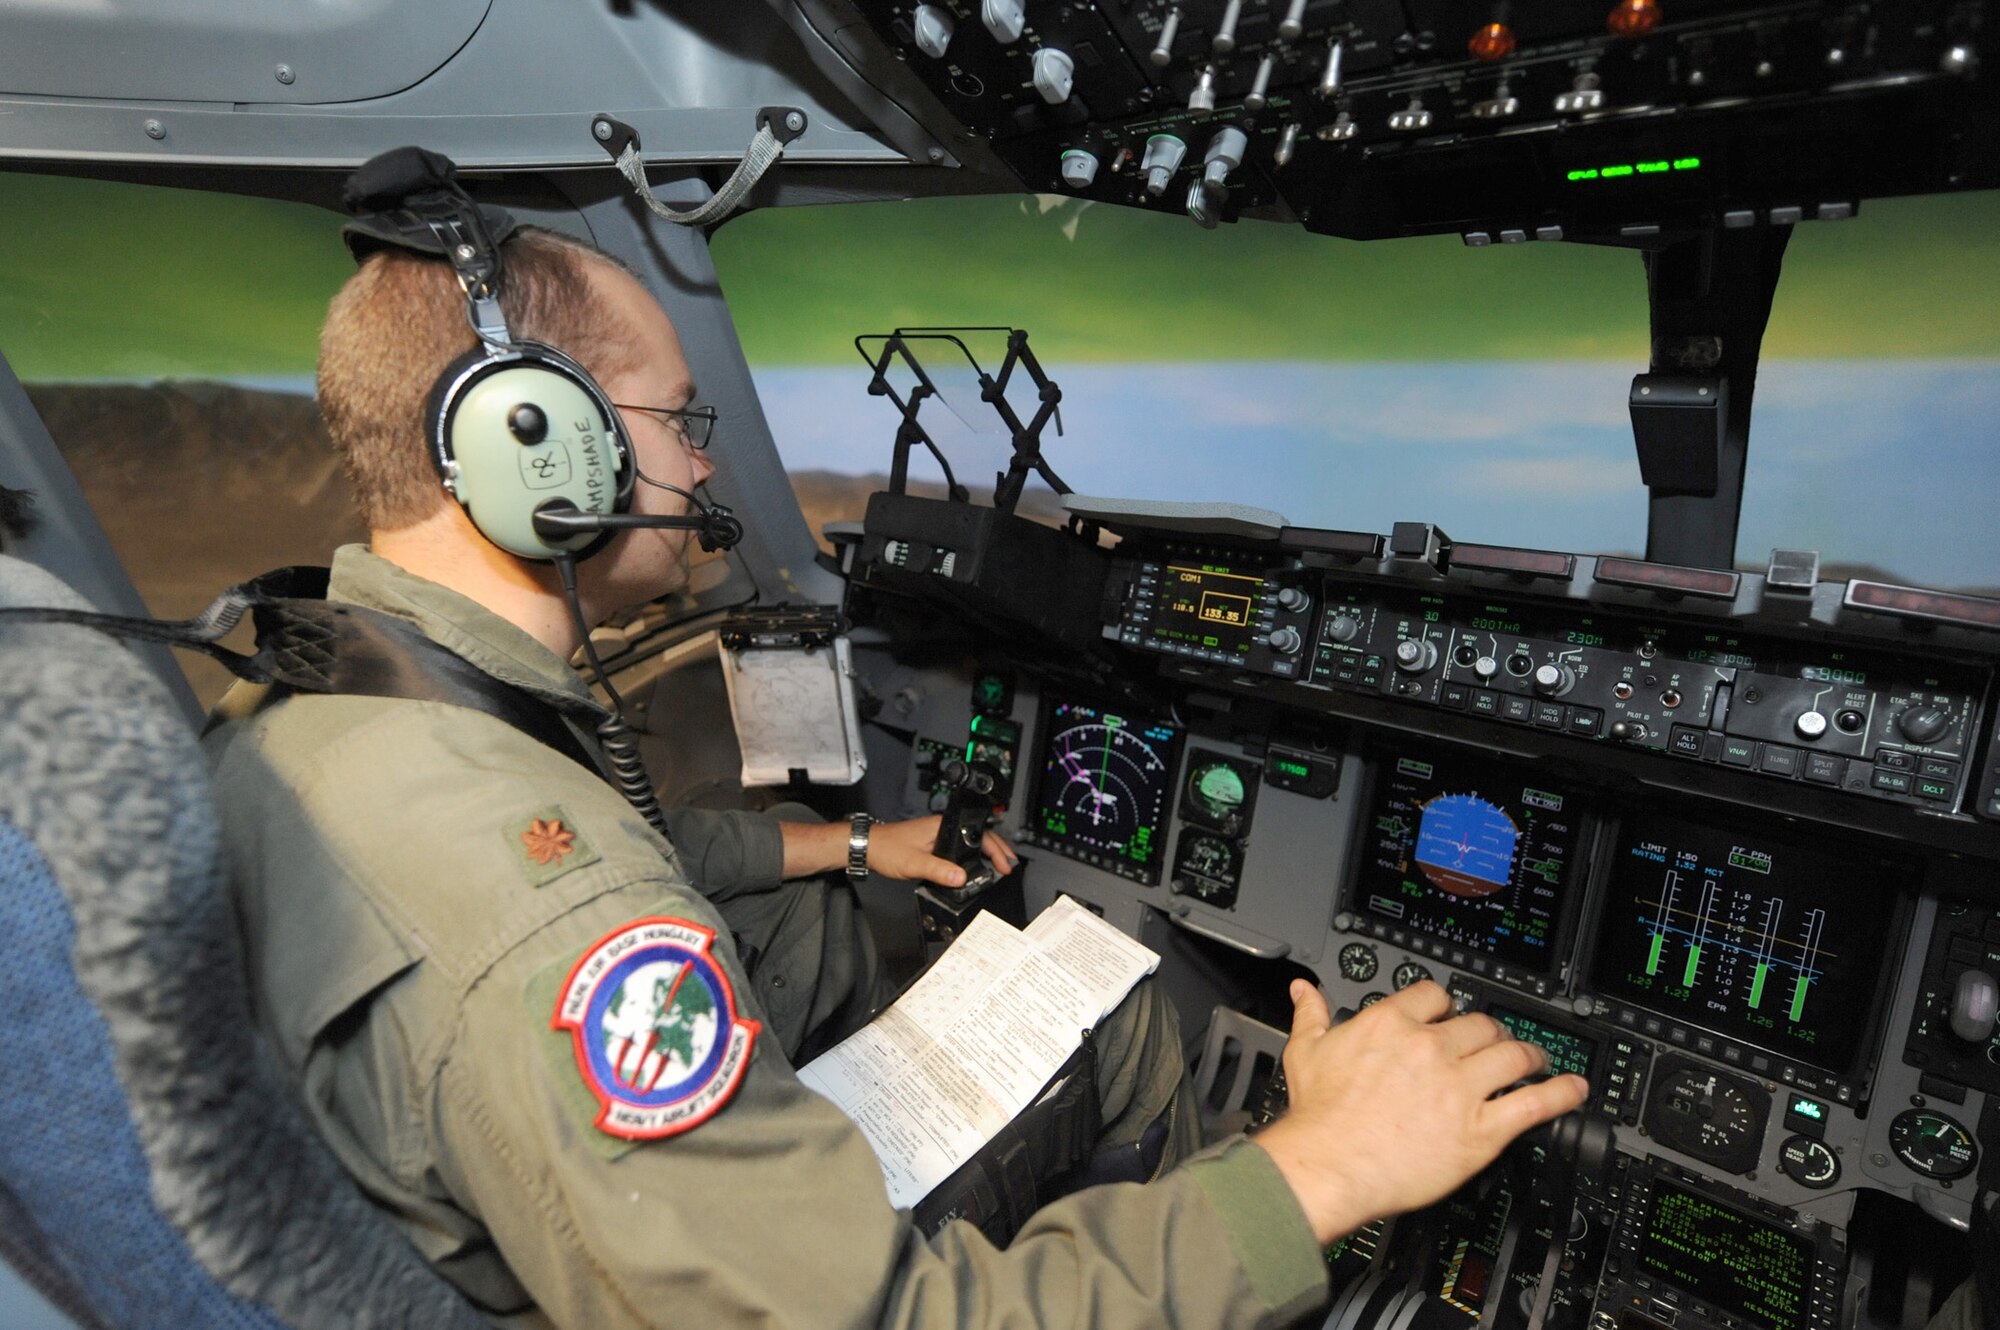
(857, 845)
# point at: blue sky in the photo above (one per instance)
(1890, 462)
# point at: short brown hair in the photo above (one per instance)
(400, 321)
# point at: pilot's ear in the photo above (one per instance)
(17, 515)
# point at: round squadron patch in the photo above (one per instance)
(654, 1023)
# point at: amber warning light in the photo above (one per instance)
(1495, 41)
(1633, 18)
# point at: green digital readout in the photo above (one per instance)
(1568, 1053)
(1808, 1108)
(1832, 674)
(1747, 1267)
(1284, 766)
(1622, 170)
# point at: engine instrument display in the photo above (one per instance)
(1105, 783)
(1466, 853)
(1728, 1259)
(1568, 1053)
(1769, 941)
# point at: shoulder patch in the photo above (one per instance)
(653, 1021)
(547, 845)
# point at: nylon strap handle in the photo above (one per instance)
(776, 127)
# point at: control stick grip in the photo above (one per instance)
(971, 788)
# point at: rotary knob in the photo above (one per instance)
(1414, 656)
(1286, 641)
(1292, 598)
(1344, 628)
(1554, 680)
(1924, 724)
(1810, 725)
(1486, 667)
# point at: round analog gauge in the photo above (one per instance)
(1705, 1114)
(1409, 972)
(1210, 857)
(1216, 792)
(1368, 1000)
(1358, 963)
(1809, 1163)
(1933, 1144)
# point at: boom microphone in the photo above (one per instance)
(715, 527)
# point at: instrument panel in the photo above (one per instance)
(1730, 856)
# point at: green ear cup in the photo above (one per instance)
(502, 476)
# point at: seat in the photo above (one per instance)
(154, 1170)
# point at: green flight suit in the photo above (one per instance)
(415, 883)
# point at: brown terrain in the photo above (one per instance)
(200, 485)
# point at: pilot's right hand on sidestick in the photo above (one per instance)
(1396, 1108)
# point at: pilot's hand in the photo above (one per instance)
(1392, 1110)
(903, 850)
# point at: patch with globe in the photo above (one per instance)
(654, 1024)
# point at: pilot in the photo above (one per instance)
(430, 897)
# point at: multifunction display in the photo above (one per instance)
(1105, 783)
(1209, 605)
(1756, 937)
(1728, 1259)
(1470, 854)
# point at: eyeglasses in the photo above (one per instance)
(695, 424)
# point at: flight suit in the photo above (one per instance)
(419, 887)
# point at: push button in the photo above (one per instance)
(1824, 769)
(1585, 720)
(1687, 741)
(1739, 752)
(1780, 760)
(1933, 789)
(1937, 769)
(1896, 782)
(1895, 760)
(1549, 715)
(1485, 702)
(1517, 709)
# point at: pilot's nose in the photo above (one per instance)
(704, 467)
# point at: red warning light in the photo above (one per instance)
(1633, 18)
(1495, 41)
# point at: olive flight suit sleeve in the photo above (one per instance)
(728, 852)
(772, 1210)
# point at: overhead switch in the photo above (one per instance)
(933, 26)
(1333, 77)
(1225, 154)
(1224, 40)
(1054, 74)
(1079, 168)
(1162, 159)
(1163, 49)
(1293, 24)
(1259, 95)
(1005, 19)
(1203, 96)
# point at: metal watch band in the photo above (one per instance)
(857, 844)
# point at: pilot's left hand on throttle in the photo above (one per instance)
(903, 850)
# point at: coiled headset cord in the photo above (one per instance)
(618, 739)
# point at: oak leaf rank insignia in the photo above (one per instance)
(548, 844)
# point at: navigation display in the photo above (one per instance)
(1209, 605)
(1728, 1259)
(1104, 786)
(1773, 942)
(1471, 854)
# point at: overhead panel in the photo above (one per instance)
(1602, 119)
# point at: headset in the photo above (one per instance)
(521, 435)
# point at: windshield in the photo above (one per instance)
(1354, 385)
